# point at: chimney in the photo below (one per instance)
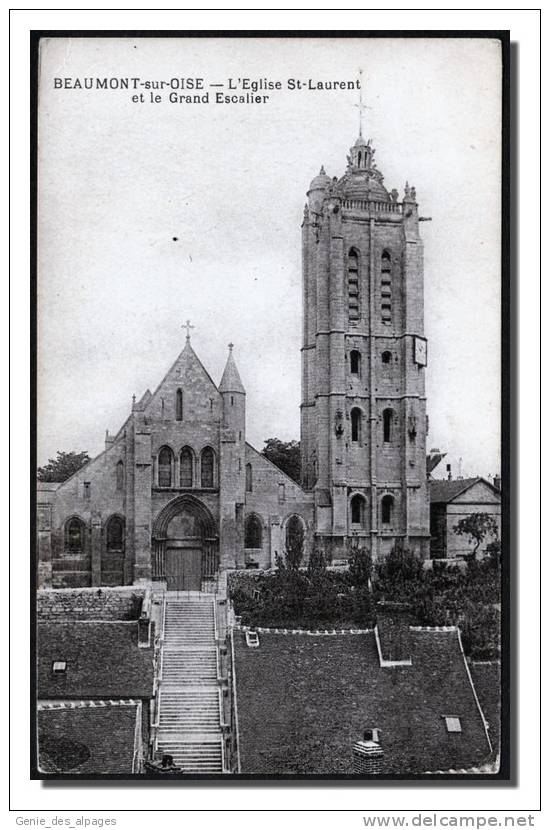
(368, 755)
(497, 482)
(109, 439)
(449, 475)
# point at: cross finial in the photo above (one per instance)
(361, 106)
(230, 345)
(187, 325)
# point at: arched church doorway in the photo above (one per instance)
(185, 545)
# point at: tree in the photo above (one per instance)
(360, 566)
(294, 547)
(63, 467)
(285, 455)
(317, 565)
(477, 526)
(401, 565)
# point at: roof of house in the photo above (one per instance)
(103, 661)
(303, 701)
(88, 739)
(433, 459)
(443, 490)
(486, 677)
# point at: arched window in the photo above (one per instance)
(74, 535)
(386, 288)
(386, 357)
(355, 362)
(356, 418)
(387, 510)
(357, 505)
(115, 534)
(120, 475)
(253, 532)
(294, 533)
(353, 285)
(248, 475)
(179, 405)
(186, 467)
(207, 467)
(165, 467)
(387, 416)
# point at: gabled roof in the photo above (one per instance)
(445, 491)
(323, 691)
(185, 364)
(103, 661)
(433, 459)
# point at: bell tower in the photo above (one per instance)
(363, 411)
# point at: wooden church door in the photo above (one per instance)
(183, 569)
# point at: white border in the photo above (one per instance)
(32, 795)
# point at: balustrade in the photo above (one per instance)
(372, 206)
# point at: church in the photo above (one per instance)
(178, 495)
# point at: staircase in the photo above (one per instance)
(189, 706)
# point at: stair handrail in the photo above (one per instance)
(234, 707)
(222, 744)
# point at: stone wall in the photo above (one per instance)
(274, 498)
(92, 604)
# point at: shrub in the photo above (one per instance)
(401, 565)
(360, 566)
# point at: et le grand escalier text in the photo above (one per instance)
(199, 90)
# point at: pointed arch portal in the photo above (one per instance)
(185, 544)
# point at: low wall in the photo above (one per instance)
(89, 604)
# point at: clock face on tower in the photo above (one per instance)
(420, 351)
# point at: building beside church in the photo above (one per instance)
(456, 499)
(178, 493)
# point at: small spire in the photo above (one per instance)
(231, 381)
(322, 170)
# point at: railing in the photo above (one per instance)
(234, 712)
(155, 702)
(373, 207)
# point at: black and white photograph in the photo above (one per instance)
(272, 504)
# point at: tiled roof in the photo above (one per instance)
(103, 661)
(304, 701)
(433, 459)
(445, 491)
(486, 677)
(87, 740)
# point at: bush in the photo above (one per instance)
(360, 566)
(400, 566)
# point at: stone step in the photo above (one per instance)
(188, 669)
(184, 658)
(189, 698)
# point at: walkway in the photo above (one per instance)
(190, 703)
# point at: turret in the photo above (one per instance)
(234, 397)
(232, 463)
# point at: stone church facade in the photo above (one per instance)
(178, 494)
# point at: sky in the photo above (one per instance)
(153, 213)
